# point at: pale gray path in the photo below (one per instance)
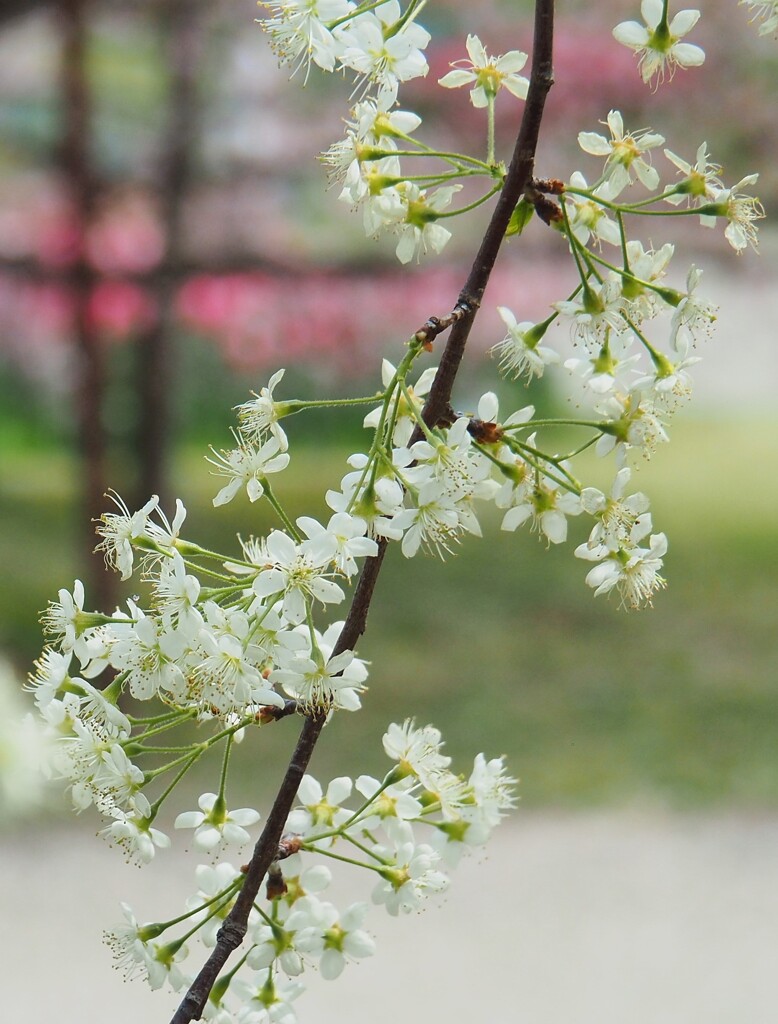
(574, 919)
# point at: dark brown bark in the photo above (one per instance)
(518, 176)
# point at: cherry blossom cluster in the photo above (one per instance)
(406, 831)
(230, 643)
(382, 45)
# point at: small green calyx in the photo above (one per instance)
(661, 40)
(694, 185)
(616, 428)
(420, 214)
(367, 507)
(396, 877)
(713, 210)
(671, 296)
(534, 334)
(365, 153)
(621, 556)
(150, 931)
(490, 80)
(517, 474)
(282, 409)
(604, 363)
(455, 830)
(218, 813)
(378, 183)
(88, 620)
(543, 501)
(334, 938)
(400, 771)
(219, 990)
(167, 954)
(631, 287)
(592, 303)
(664, 368)
(383, 128)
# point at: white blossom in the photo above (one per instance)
(619, 519)
(415, 876)
(623, 153)
(120, 530)
(520, 351)
(260, 416)
(374, 46)
(216, 826)
(133, 832)
(740, 211)
(247, 466)
(292, 574)
(659, 45)
(632, 571)
(587, 216)
(487, 74)
(299, 30)
(341, 542)
(335, 938)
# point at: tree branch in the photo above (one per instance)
(517, 178)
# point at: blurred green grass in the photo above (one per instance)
(503, 646)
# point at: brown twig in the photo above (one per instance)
(519, 174)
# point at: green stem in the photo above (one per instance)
(225, 766)
(193, 758)
(383, 435)
(471, 206)
(163, 726)
(430, 180)
(332, 403)
(223, 896)
(276, 505)
(634, 207)
(579, 251)
(540, 463)
(357, 813)
(553, 423)
(623, 235)
(416, 412)
(656, 356)
(583, 447)
(428, 151)
(361, 9)
(338, 856)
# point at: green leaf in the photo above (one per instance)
(520, 218)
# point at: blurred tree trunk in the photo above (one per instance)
(80, 183)
(181, 30)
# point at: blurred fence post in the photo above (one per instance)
(80, 182)
(180, 23)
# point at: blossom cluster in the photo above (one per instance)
(232, 642)
(406, 831)
(384, 47)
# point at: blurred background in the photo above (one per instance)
(166, 243)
